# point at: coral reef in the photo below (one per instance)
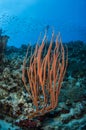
(15, 103)
(3, 43)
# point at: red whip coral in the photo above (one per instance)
(45, 75)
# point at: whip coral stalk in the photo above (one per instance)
(45, 73)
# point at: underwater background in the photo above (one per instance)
(24, 20)
(23, 24)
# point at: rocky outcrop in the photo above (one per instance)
(3, 43)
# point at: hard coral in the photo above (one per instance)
(28, 123)
(3, 42)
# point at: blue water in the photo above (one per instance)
(23, 20)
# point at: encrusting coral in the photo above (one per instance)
(45, 74)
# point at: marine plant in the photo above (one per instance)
(44, 74)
